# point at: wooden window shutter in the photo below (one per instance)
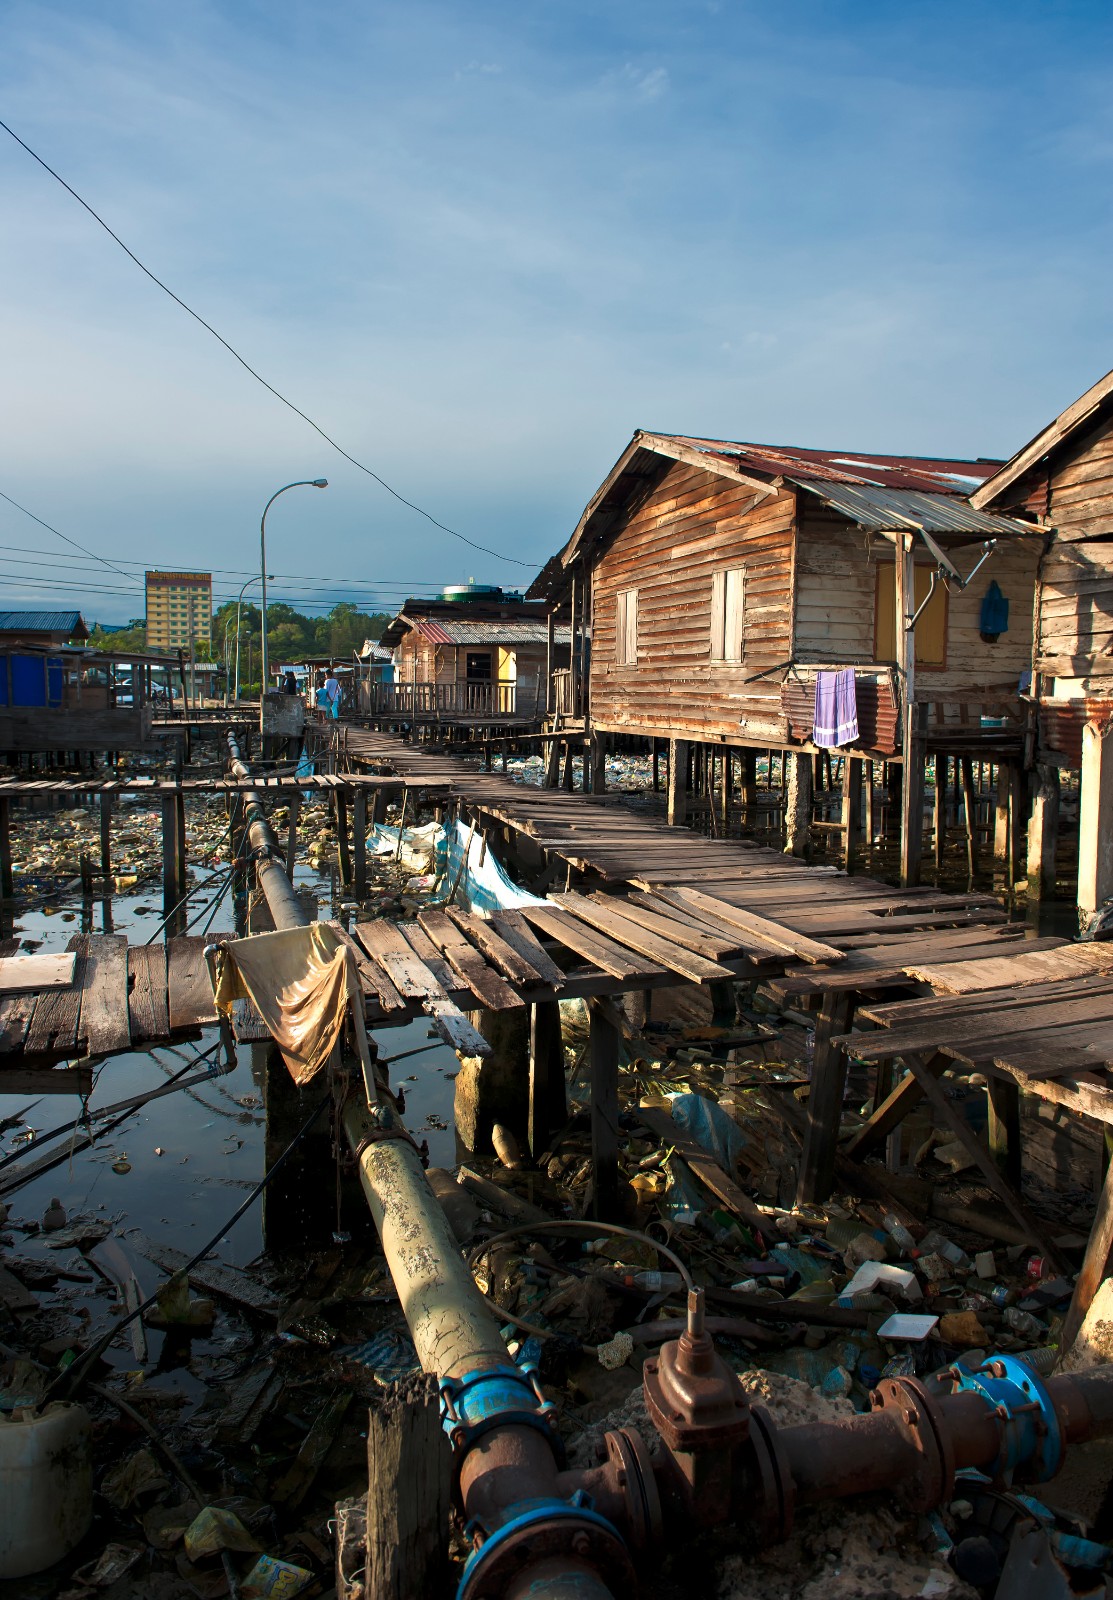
(735, 593)
(718, 614)
(631, 627)
(620, 628)
(931, 630)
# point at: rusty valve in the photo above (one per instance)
(700, 1410)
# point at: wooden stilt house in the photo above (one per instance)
(712, 583)
(1063, 481)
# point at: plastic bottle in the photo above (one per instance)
(654, 1280)
(1023, 1323)
(934, 1243)
(899, 1234)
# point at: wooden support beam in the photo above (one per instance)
(603, 1046)
(851, 808)
(956, 1123)
(548, 1104)
(968, 811)
(359, 842)
(892, 1110)
(292, 834)
(798, 803)
(678, 781)
(912, 795)
(1043, 833)
(340, 803)
(817, 1164)
(7, 878)
(1003, 1097)
(597, 747)
(939, 811)
(106, 835)
(1095, 1266)
(173, 862)
(1095, 819)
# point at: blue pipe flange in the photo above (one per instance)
(1031, 1439)
(497, 1397)
(540, 1530)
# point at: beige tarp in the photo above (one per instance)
(300, 981)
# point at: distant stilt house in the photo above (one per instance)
(59, 697)
(719, 590)
(475, 658)
(1063, 481)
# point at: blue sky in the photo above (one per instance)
(483, 243)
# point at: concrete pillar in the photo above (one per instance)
(678, 780)
(1043, 831)
(798, 803)
(1095, 819)
(495, 1088)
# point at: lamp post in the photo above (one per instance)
(301, 483)
(239, 602)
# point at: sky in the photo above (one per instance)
(481, 244)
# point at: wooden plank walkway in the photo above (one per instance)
(12, 788)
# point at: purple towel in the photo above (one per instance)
(836, 709)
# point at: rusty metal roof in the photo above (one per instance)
(462, 631)
(925, 473)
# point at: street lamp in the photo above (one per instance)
(239, 601)
(302, 483)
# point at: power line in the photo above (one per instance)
(248, 368)
(128, 575)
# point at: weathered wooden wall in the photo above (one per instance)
(37, 729)
(691, 525)
(1076, 582)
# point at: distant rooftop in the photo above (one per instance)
(67, 624)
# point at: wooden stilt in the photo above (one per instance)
(725, 788)
(1095, 819)
(892, 1110)
(359, 842)
(1043, 832)
(603, 1043)
(340, 811)
(106, 835)
(851, 809)
(939, 811)
(292, 834)
(1095, 1266)
(656, 766)
(968, 807)
(869, 827)
(817, 1164)
(1003, 1097)
(678, 773)
(748, 795)
(7, 878)
(597, 748)
(912, 795)
(798, 804)
(173, 862)
(569, 781)
(548, 1106)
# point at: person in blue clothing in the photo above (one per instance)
(332, 689)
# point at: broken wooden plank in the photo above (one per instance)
(148, 1000)
(296, 1481)
(188, 982)
(516, 931)
(373, 979)
(1009, 971)
(603, 953)
(607, 918)
(53, 1026)
(506, 957)
(763, 928)
(213, 1276)
(491, 990)
(105, 1025)
(20, 974)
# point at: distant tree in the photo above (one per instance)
(132, 638)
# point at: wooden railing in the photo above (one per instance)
(442, 701)
(568, 693)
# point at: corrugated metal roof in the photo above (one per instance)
(67, 622)
(440, 630)
(847, 466)
(877, 507)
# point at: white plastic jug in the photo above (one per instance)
(46, 1487)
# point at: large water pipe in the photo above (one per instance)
(532, 1534)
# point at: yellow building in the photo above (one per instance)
(179, 610)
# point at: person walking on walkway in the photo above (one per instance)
(332, 689)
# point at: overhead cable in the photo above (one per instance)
(249, 368)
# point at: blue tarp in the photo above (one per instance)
(484, 885)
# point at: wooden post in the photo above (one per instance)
(106, 835)
(597, 750)
(7, 877)
(340, 802)
(548, 1105)
(798, 804)
(1001, 821)
(656, 766)
(1003, 1096)
(968, 809)
(749, 781)
(868, 774)
(409, 1469)
(292, 834)
(726, 757)
(939, 810)
(1095, 819)
(1095, 1266)
(603, 1042)
(851, 808)
(817, 1163)
(678, 774)
(359, 841)
(550, 659)
(378, 806)
(1043, 831)
(569, 780)
(912, 749)
(173, 862)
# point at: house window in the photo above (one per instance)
(477, 666)
(931, 629)
(727, 592)
(626, 628)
